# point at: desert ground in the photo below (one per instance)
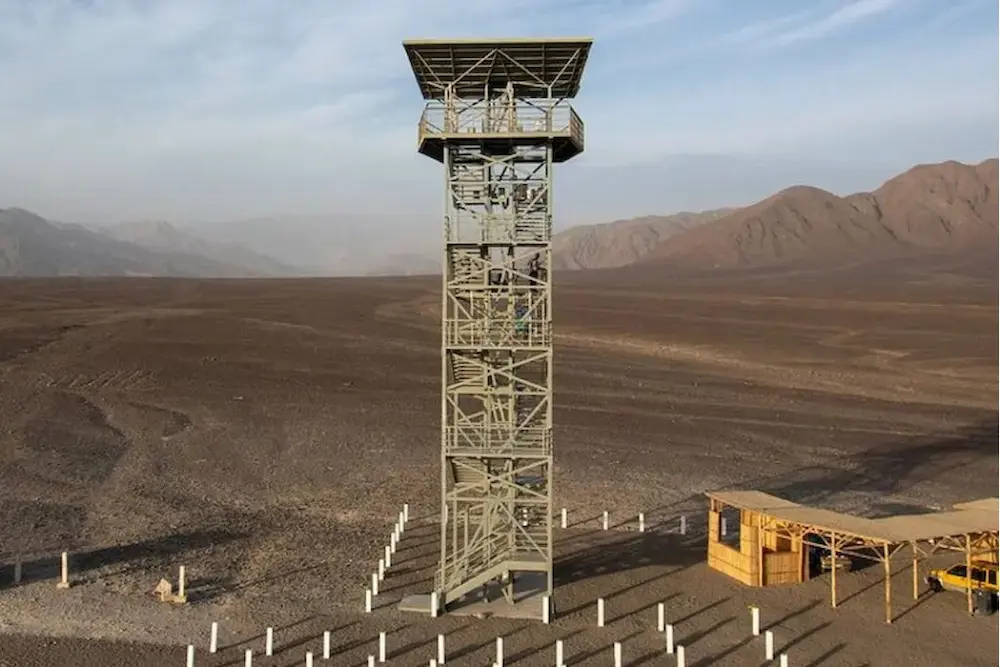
(265, 434)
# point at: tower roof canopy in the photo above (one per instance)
(470, 65)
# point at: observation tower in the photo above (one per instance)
(497, 117)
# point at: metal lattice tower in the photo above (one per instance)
(497, 118)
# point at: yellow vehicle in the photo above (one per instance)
(982, 577)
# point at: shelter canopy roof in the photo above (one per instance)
(978, 516)
(471, 65)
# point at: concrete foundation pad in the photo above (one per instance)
(529, 590)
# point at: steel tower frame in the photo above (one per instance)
(497, 118)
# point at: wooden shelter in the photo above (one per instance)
(775, 536)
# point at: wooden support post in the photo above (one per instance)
(833, 570)
(888, 582)
(968, 571)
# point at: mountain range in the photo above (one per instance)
(941, 209)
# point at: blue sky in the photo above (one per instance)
(223, 109)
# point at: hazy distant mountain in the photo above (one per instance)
(33, 246)
(163, 237)
(939, 208)
(333, 245)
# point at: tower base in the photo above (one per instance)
(529, 596)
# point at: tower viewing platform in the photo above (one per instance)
(503, 93)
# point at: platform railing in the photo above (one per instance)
(539, 117)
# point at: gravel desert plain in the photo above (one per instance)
(265, 433)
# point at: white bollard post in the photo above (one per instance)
(381, 647)
(213, 641)
(605, 519)
(723, 526)
(600, 612)
(642, 522)
(433, 663)
(545, 609)
(755, 620)
(680, 656)
(181, 581)
(402, 522)
(661, 616)
(248, 658)
(64, 578)
(374, 583)
(670, 639)
(499, 651)
(769, 645)
(269, 642)
(388, 557)
(326, 645)
(309, 659)
(559, 653)
(371, 661)
(618, 654)
(393, 541)
(368, 600)
(434, 604)
(783, 660)
(684, 525)
(381, 569)
(564, 517)
(406, 512)
(441, 655)
(190, 656)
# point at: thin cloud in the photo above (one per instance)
(209, 108)
(803, 25)
(843, 17)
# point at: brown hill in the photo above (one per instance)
(623, 242)
(941, 208)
